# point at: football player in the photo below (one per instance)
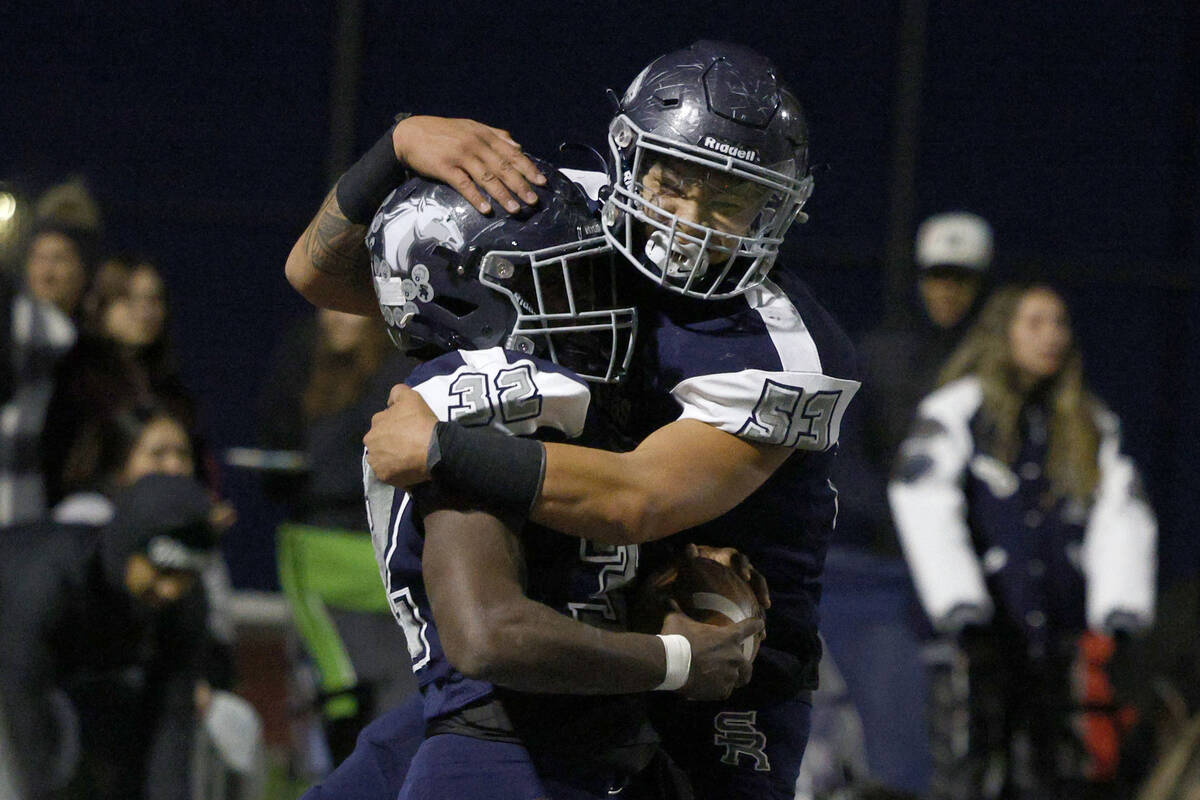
(511, 311)
(735, 373)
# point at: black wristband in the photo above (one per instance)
(498, 470)
(367, 183)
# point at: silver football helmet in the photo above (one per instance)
(710, 152)
(542, 281)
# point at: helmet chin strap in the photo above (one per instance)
(675, 258)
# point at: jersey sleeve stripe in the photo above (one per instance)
(794, 343)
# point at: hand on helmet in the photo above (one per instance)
(398, 441)
(468, 155)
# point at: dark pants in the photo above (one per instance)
(1009, 725)
(376, 768)
(455, 766)
(728, 752)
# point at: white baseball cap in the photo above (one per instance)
(955, 239)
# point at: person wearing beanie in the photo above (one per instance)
(103, 634)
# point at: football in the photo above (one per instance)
(706, 590)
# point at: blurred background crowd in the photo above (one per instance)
(1006, 222)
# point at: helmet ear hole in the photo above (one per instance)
(455, 305)
(445, 254)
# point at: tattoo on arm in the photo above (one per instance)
(333, 244)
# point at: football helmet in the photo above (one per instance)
(710, 155)
(541, 281)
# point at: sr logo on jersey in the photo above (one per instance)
(736, 732)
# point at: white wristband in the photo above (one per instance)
(679, 662)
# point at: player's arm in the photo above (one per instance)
(490, 630)
(685, 473)
(329, 263)
(682, 475)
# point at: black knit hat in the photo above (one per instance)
(164, 517)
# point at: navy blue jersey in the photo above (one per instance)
(773, 367)
(519, 395)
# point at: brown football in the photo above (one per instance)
(706, 590)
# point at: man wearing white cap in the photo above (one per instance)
(900, 362)
(953, 252)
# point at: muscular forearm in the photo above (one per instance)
(682, 475)
(490, 630)
(329, 264)
(533, 648)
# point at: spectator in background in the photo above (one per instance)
(330, 376)
(122, 361)
(58, 264)
(1031, 542)
(149, 440)
(103, 636)
(869, 618)
(133, 443)
(900, 363)
(332, 373)
(36, 330)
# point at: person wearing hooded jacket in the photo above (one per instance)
(871, 624)
(1033, 548)
(103, 633)
(900, 361)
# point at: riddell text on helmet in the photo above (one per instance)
(712, 143)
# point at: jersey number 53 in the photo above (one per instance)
(788, 416)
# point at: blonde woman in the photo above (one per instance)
(1026, 529)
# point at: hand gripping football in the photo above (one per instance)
(706, 590)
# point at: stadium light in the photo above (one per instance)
(8, 207)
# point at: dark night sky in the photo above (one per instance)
(203, 128)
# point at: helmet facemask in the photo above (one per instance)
(568, 308)
(698, 222)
